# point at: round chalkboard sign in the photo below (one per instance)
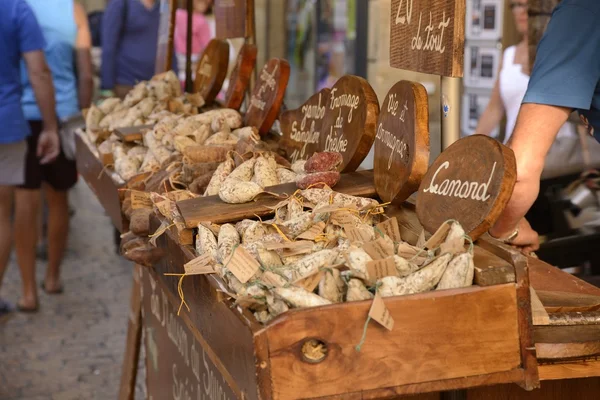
(350, 121)
(402, 142)
(212, 70)
(471, 182)
(240, 76)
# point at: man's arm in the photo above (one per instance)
(83, 44)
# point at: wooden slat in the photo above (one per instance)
(432, 340)
(549, 278)
(132, 133)
(567, 351)
(565, 302)
(212, 209)
(582, 369)
(567, 334)
(539, 314)
(491, 270)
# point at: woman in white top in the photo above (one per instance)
(512, 82)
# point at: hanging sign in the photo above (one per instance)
(267, 97)
(470, 182)
(350, 121)
(402, 142)
(240, 76)
(301, 128)
(428, 36)
(230, 18)
(212, 70)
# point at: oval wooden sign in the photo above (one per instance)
(350, 121)
(471, 182)
(212, 70)
(267, 95)
(402, 142)
(240, 76)
(301, 128)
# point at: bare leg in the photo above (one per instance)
(27, 204)
(58, 232)
(6, 199)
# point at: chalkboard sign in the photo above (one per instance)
(301, 128)
(267, 97)
(350, 121)
(230, 18)
(212, 70)
(428, 36)
(402, 142)
(470, 182)
(240, 76)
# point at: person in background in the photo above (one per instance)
(22, 38)
(201, 35)
(565, 77)
(65, 28)
(129, 44)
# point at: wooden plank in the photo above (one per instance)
(564, 302)
(132, 133)
(428, 36)
(212, 209)
(576, 389)
(133, 340)
(432, 340)
(166, 34)
(230, 17)
(567, 351)
(582, 369)
(566, 334)
(548, 278)
(539, 314)
(575, 318)
(491, 270)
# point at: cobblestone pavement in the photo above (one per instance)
(73, 347)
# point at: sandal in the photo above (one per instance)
(59, 290)
(5, 308)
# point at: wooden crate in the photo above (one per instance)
(442, 340)
(105, 189)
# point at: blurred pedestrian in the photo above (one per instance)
(65, 28)
(22, 38)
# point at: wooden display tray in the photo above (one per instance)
(442, 340)
(105, 189)
(213, 209)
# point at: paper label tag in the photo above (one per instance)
(421, 240)
(164, 207)
(343, 218)
(247, 301)
(380, 313)
(381, 268)
(313, 232)
(379, 249)
(180, 195)
(332, 208)
(200, 265)
(438, 237)
(242, 265)
(356, 234)
(303, 247)
(140, 200)
(273, 279)
(310, 282)
(390, 228)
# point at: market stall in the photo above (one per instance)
(266, 266)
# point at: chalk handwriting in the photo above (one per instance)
(457, 188)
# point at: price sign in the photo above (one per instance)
(470, 182)
(350, 121)
(240, 76)
(212, 70)
(301, 128)
(402, 142)
(267, 96)
(428, 36)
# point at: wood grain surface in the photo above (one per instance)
(350, 121)
(230, 19)
(211, 70)
(471, 182)
(582, 369)
(166, 34)
(567, 351)
(267, 96)
(432, 340)
(133, 342)
(428, 36)
(402, 142)
(545, 277)
(301, 128)
(240, 76)
(491, 270)
(213, 209)
(568, 302)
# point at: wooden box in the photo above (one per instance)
(442, 340)
(104, 187)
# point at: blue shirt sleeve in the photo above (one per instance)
(112, 26)
(567, 65)
(30, 33)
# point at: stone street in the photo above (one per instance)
(73, 347)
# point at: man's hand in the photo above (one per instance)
(48, 146)
(527, 240)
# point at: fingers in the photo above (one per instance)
(49, 156)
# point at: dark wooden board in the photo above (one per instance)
(212, 70)
(301, 128)
(350, 121)
(240, 76)
(267, 96)
(213, 209)
(545, 277)
(230, 18)
(133, 342)
(402, 142)
(565, 302)
(166, 32)
(471, 181)
(562, 389)
(132, 133)
(428, 36)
